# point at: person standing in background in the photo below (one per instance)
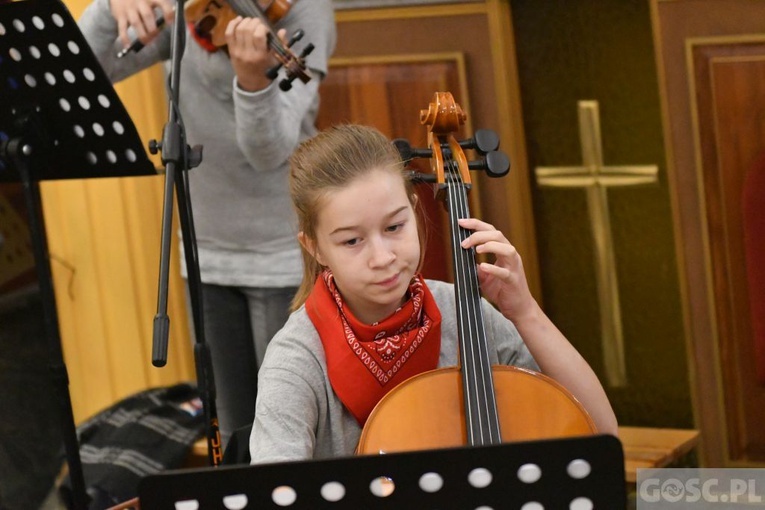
(250, 262)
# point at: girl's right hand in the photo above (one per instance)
(141, 15)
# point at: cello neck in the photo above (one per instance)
(482, 422)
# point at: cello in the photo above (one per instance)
(474, 403)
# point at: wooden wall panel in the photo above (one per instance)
(104, 240)
(730, 106)
(572, 51)
(710, 66)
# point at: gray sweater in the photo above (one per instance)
(243, 219)
(297, 414)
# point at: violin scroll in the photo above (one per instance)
(293, 64)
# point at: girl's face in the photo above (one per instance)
(366, 233)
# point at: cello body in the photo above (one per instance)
(427, 411)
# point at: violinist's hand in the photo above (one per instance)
(247, 40)
(503, 282)
(141, 15)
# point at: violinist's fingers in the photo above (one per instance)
(260, 35)
(122, 26)
(282, 34)
(148, 21)
(231, 30)
(256, 33)
(247, 33)
(168, 10)
(140, 17)
(135, 21)
(247, 40)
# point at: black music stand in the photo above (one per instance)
(572, 473)
(60, 118)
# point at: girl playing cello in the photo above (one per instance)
(364, 320)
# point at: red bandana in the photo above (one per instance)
(366, 362)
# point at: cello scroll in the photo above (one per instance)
(443, 118)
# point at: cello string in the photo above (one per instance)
(477, 374)
(466, 346)
(466, 356)
(484, 363)
(473, 421)
(472, 300)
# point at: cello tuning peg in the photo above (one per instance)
(483, 141)
(486, 141)
(420, 177)
(496, 164)
(408, 153)
(403, 147)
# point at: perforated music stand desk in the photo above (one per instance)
(60, 118)
(573, 473)
(48, 71)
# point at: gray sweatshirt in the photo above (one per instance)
(297, 414)
(244, 223)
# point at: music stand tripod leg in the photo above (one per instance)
(178, 158)
(19, 151)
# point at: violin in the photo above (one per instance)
(208, 20)
(473, 403)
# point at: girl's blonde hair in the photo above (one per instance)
(328, 162)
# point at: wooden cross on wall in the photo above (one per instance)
(595, 178)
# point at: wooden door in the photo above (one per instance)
(713, 60)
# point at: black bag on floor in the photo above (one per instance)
(140, 435)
